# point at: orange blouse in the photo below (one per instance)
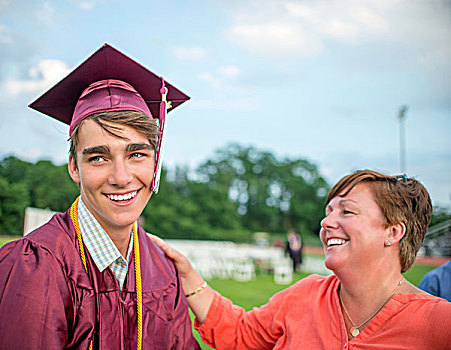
(308, 315)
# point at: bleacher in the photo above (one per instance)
(437, 241)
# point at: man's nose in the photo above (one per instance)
(119, 175)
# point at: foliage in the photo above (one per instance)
(24, 184)
(239, 191)
(272, 195)
(51, 186)
(439, 215)
(188, 209)
(14, 198)
(14, 169)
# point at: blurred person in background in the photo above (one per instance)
(294, 249)
(438, 281)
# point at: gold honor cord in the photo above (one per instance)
(138, 282)
(139, 290)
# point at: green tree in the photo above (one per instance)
(440, 214)
(186, 208)
(239, 191)
(50, 186)
(14, 198)
(14, 169)
(271, 194)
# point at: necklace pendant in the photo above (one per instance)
(354, 331)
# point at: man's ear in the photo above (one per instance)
(73, 170)
(396, 232)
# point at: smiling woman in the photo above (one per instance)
(354, 231)
(365, 304)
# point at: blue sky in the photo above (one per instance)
(322, 80)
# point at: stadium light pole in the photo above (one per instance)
(402, 138)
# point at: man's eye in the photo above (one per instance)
(96, 159)
(345, 211)
(137, 155)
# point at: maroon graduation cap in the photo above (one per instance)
(106, 63)
(111, 81)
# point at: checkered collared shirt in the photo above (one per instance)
(102, 249)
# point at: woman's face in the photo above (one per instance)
(354, 231)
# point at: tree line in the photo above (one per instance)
(239, 191)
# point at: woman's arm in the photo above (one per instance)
(229, 326)
(199, 302)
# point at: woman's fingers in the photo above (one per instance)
(162, 244)
(200, 301)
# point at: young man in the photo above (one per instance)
(90, 278)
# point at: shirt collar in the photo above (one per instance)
(100, 246)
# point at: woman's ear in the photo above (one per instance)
(73, 170)
(395, 233)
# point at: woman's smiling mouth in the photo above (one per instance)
(335, 242)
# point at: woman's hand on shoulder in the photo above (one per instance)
(181, 262)
(199, 295)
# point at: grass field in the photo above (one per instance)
(6, 239)
(258, 291)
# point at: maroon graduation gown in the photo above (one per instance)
(48, 301)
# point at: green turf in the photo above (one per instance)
(253, 293)
(6, 239)
(416, 273)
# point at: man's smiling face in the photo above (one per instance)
(115, 174)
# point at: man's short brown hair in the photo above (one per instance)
(141, 122)
(401, 199)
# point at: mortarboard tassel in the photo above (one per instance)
(162, 121)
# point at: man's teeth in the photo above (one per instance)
(335, 241)
(122, 197)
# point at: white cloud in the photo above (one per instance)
(222, 103)
(229, 71)
(274, 38)
(86, 4)
(46, 12)
(5, 36)
(221, 77)
(42, 76)
(369, 19)
(32, 154)
(224, 84)
(189, 53)
(299, 28)
(345, 21)
(210, 79)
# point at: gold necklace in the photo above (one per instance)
(355, 330)
(138, 282)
